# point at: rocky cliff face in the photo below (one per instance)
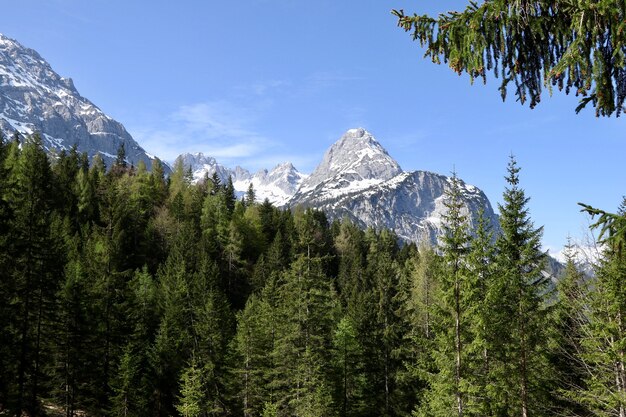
(411, 204)
(34, 98)
(355, 162)
(358, 180)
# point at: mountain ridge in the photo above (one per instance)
(358, 179)
(35, 99)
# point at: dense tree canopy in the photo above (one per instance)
(140, 295)
(534, 45)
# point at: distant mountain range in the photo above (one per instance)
(356, 178)
(278, 185)
(34, 98)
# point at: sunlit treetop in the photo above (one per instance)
(576, 45)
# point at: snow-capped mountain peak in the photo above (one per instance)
(356, 160)
(202, 165)
(277, 185)
(357, 179)
(34, 98)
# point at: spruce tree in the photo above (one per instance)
(519, 370)
(450, 383)
(306, 315)
(533, 45)
(349, 364)
(36, 266)
(481, 274)
(250, 196)
(603, 391)
(570, 317)
(190, 403)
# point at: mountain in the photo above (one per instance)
(277, 185)
(201, 164)
(34, 98)
(411, 204)
(355, 162)
(358, 180)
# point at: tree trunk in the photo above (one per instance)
(457, 328)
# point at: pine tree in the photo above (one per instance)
(480, 264)
(190, 402)
(531, 45)
(519, 370)
(451, 381)
(73, 336)
(306, 317)
(6, 290)
(228, 194)
(126, 400)
(36, 265)
(570, 318)
(250, 196)
(254, 340)
(212, 328)
(416, 296)
(349, 363)
(602, 352)
(383, 332)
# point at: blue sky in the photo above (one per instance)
(258, 82)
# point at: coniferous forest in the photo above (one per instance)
(126, 293)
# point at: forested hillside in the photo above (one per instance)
(125, 293)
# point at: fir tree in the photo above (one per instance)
(190, 402)
(603, 391)
(35, 267)
(481, 270)
(533, 44)
(570, 318)
(451, 381)
(520, 318)
(250, 196)
(349, 363)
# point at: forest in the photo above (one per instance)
(125, 292)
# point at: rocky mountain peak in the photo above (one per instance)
(34, 98)
(201, 164)
(355, 160)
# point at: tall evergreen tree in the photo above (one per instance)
(570, 317)
(349, 363)
(481, 271)
(603, 345)
(36, 266)
(519, 370)
(451, 381)
(307, 315)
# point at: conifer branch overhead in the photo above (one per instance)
(612, 226)
(576, 45)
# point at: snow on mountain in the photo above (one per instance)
(356, 161)
(358, 180)
(34, 98)
(277, 185)
(202, 165)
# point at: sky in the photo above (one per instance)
(259, 82)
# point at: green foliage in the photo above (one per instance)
(521, 321)
(534, 45)
(190, 403)
(137, 295)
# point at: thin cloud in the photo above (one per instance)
(218, 128)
